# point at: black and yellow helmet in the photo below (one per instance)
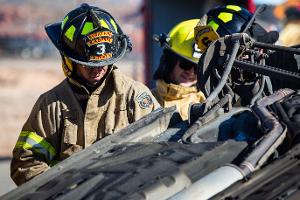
(226, 20)
(89, 36)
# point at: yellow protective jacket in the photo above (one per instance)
(176, 95)
(58, 128)
(290, 34)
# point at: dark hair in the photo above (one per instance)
(292, 13)
(167, 63)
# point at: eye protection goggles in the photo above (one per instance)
(187, 65)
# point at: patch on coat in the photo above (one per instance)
(144, 100)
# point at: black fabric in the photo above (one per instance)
(293, 13)
(236, 25)
(167, 63)
(80, 93)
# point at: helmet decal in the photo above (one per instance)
(225, 17)
(99, 40)
(64, 22)
(104, 24)
(214, 25)
(99, 34)
(88, 27)
(234, 7)
(70, 33)
(220, 21)
(114, 25)
(100, 45)
(204, 35)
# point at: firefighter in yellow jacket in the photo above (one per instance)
(176, 74)
(95, 100)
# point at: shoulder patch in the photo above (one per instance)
(144, 100)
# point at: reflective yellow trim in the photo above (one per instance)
(114, 25)
(225, 17)
(104, 24)
(28, 140)
(23, 145)
(64, 22)
(70, 32)
(88, 27)
(214, 25)
(233, 7)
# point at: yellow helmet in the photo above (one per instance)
(181, 41)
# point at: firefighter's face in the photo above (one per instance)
(91, 75)
(184, 74)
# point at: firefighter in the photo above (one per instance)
(217, 23)
(289, 13)
(95, 99)
(227, 20)
(176, 74)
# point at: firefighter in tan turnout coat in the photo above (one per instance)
(95, 100)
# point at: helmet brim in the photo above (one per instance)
(166, 46)
(261, 35)
(54, 33)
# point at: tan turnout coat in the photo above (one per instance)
(58, 128)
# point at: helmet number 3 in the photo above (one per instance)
(101, 48)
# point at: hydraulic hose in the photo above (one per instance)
(226, 73)
(261, 89)
(274, 137)
(205, 118)
(268, 70)
(276, 47)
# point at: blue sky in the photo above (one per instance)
(273, 2)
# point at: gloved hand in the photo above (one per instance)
(228, 40)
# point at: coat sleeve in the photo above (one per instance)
(142, 102)
(36, 148)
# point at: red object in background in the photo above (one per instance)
(251, 6)
(147, 53)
